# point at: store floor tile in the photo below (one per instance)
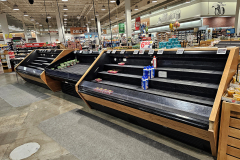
(20, 125)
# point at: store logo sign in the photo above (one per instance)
(78, 30)
(169, 16)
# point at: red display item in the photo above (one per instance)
(96, 89)
(121, 63)
(110, 71)
(114, 72)
(98, 80)
(110, 91)
(101, 90)
(105, 91)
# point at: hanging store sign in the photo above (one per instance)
(137, 23)
(104, 31)
(121, 28)
(78, 30)
(115, 30)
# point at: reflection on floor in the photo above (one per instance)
(20, 125)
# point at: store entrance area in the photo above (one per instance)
(67, 129)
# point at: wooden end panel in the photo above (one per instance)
(85, 74)
(31, 77)
(233, 142)
(228, 73)
(62, 54)
(234, 133)
(51, 83)
(200, 133)
(235, 123)
(233, 151)
(235, 114)
(231, 158)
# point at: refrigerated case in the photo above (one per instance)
(32, 68)
(69, 76)
(183, 100)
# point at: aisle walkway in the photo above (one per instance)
(19, 125)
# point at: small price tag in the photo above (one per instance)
(135, 52)
(151, 51)
(180, 51)
(142, 51)
(114, 51)
(122, 52)
(124, 59)
(222, 51)
(90, 51)
(75, 52)
(80, 51)
(109, 51)
(160, 51)
(162, 74)
(33, 71)
(24, 68)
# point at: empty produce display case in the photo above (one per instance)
(70, 68)
(32, 68)
(183, 99)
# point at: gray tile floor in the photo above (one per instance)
(20, 125)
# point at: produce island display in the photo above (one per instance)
(32, 67)
(70, 68)
(182, 99)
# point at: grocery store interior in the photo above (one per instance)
(119, 79)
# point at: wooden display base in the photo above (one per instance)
(7, 70)
(229, 141)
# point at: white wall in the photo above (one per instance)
(46, 38)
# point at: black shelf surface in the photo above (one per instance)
(72, 73)
(149, 101)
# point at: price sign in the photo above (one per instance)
(160, 51)
(222, 51)
(34, 71)
(180, 51)
(114, 51)
(90, 51)
(135, 52)
(162, 74)
(75, 52)
(142, 51)
(146, 45)
(24, 68)
(122, 52)
(109, 51)
(80, 51)
(151, 51)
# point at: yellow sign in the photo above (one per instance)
(8, 36)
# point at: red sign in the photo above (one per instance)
(27, 45)
(11, 54)
(174, 36)
(137, 23)
(146, 38)
(146, 45)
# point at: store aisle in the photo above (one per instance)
(20, 125)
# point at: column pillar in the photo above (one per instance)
(237, 18)
(99, 29)
(128, 18)
(87, 28)
(25, 32)
(37, 40)
(60, 25)
(4, 25)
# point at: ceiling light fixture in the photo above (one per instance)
(154, 1)
(50, 26)
(78, 17)
(65, 19)
(103, 8)
(136, 8)
(97, 14)
(15, 7)
(116, 17)
(65, 14)
(112, 1)
(37, 23)
(65, 7)
(188, 1)
(3, 0)
(64, 0)
(40, 24)
(25, 14)
(48, 16)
